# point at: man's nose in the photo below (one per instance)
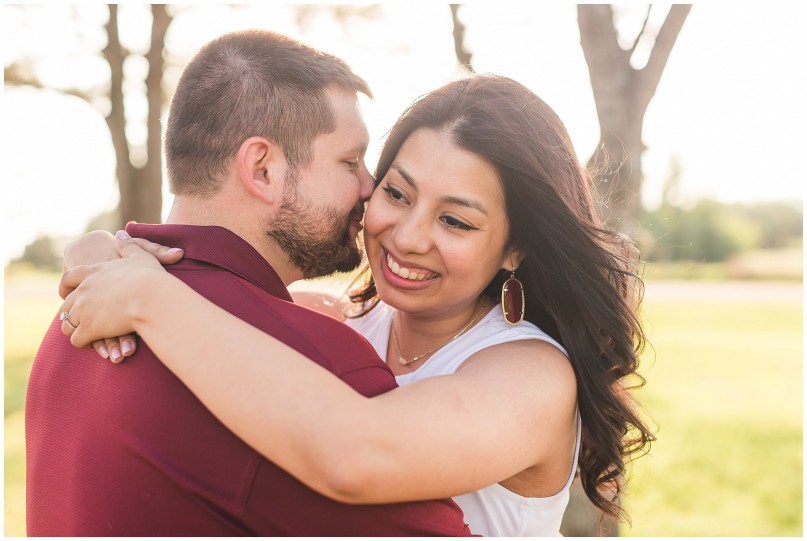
(366, 182)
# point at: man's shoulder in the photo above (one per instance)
(321, 338)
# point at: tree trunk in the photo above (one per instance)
(116, 120)
(149, 190)
(583, 519)
(140, 188)
(622, 94)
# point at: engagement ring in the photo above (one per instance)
(63, 316)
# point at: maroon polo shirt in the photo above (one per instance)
(125, 450)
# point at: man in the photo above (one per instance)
(265, 154)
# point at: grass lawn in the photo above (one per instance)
(31, 301)
(724, 387)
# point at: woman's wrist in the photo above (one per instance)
(152, 291)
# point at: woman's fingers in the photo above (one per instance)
(96, 306)
(114, 347)
(101, 348)
(68, 326)
(128, 346)
(164, 254)
(128, 247)
(71, 278)
(69, 323)
(100, 246)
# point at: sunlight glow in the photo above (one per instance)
(730, 104)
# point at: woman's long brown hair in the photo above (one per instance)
(579, 277)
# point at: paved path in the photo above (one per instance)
(686, 291)
(47, 286)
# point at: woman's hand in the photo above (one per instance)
(96, 296)
(98, 247)
(101, 246)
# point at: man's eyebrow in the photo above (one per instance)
(451, 199)
(358, 150)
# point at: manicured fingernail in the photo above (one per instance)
(115, 354)
(122, 235)
(127, 346)
(173, 250)
(103, 351)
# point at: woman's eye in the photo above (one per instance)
(394, 194)
(454, 223)
(352, 165)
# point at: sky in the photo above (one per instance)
(730, 106)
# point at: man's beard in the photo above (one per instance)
(317, 240)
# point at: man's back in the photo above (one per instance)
(128, 450)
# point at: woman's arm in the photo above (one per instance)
(511, 407)
(97, 247)
(321, 302)
(92, 247)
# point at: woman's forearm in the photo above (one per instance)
(436, 438)
(259, 396)
(439, 437)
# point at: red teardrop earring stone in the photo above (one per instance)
(513, 300)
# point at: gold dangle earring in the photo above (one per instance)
(513, 299)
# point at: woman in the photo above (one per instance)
(481, 198)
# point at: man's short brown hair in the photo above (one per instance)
(245, 84)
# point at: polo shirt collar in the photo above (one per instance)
(217, 246)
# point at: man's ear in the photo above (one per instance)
(262, 168)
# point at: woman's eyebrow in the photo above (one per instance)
(454, 200)
(406, 176)
(470, 203)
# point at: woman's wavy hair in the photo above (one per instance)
(580, 281)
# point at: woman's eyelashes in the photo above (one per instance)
(394, 194)
(452, 222)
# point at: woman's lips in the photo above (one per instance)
(410, 277)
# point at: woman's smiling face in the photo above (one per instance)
(436, 228)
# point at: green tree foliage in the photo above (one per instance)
(44, 253)
(713, 231)
(780, 223)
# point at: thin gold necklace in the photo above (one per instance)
(407, 362)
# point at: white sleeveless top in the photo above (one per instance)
(492, 511)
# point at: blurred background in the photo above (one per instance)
(694, 118)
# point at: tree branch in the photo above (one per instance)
(641, 32)
(463, 56)
(651, 73)
(18, 75)
(21, 75)
(608, 64)
(598, 38)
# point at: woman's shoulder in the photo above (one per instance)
(530, 368)
(496, 331)
(523, 347)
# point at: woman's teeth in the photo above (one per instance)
(406, 273)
